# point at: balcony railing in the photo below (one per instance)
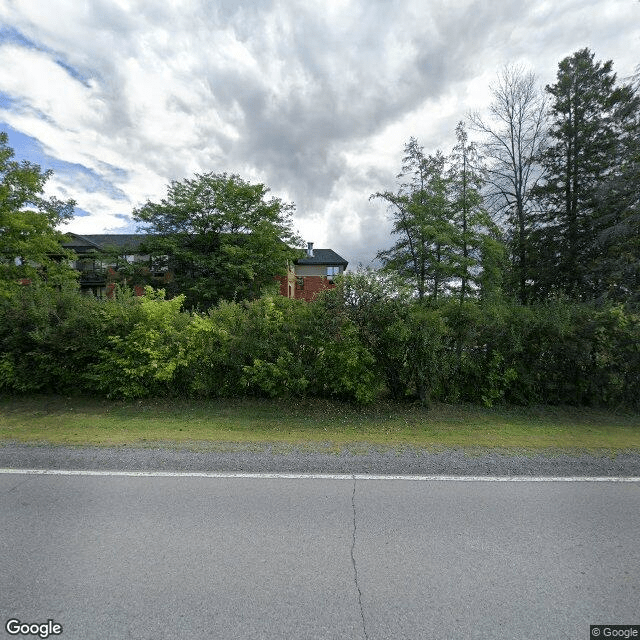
(93, 278)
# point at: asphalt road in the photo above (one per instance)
(225, 558)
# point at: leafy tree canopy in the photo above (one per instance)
(30, 248)
(220, 236)
(422, 222)
(440, 222)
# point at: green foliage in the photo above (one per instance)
(425, 253)
(220, 237)
(146, 358)
(273, 347)
(429, 359)
(207, 373)
(366, 336)
(30, 249)
(444, 231)
(615, 337)
(470, 216)
(48, 339)
(589, 237)
(265, 354)
(362, 339)
(493, 352)
(345, 367)
(494, 260)
(378, 305)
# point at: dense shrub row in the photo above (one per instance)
(349, 345)
(132, 347)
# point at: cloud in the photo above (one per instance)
(313, 98)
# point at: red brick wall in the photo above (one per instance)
(287, 283)
(312, 286)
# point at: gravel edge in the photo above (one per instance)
(208, 457)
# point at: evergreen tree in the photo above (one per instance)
(617, 263)
(587, 149)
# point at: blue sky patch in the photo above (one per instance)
(29, 148)
(12, 35)
(9, 34)
(7, 102)
(25, 147)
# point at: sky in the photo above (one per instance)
(313, 98)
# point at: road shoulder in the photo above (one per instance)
(363, 459)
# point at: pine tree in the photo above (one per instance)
(617, 263)
(590, 116)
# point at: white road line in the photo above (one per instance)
(318, 476)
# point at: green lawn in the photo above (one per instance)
(314, 423)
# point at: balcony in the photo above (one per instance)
(94, 278)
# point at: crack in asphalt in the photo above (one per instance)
(12, 489)
(353, 559)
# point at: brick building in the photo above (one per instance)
(101, 257)
(312, 273)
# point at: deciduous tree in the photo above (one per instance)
(221, 237)
(514, 137)
(30, 243)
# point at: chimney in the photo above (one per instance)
(309, 249)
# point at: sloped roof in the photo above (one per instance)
(98, 242)
(323, 256)
(131, 241)
(121, 240)
(75, 241)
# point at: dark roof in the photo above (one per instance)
(74, 241)
(121, 240)
(131, 241)
(323, 256)
(104, 240)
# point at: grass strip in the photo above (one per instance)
(331, 425)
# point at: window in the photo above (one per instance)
(332, 271)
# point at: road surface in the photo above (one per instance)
(223, 557)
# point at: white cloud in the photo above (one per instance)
(316, 99)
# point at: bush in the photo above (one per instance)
(354, 343)
(143, 361)
(277, 347)
(48, 340)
